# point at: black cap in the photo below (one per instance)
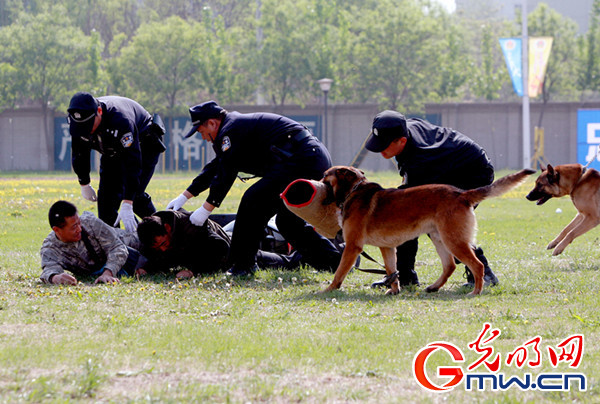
(387, 127)
(82, 110)
(201, 113)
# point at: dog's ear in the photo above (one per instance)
(553, 175)
(346, 174)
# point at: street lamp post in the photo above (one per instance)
(325, 85)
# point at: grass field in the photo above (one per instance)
(274, 338)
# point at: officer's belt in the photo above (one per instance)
(286, 150)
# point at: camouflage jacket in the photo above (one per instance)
(109, 243)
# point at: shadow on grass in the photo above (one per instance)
(310, 284)
(378, 295)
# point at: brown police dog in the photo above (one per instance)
(584, 187)
(386, 218)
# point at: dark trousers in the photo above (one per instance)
(111, 188)
(261, 201)
(473, 176)
(129, 267)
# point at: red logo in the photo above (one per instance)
(569, 352)
(455, 372)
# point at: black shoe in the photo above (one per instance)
(407, 278)
(381, 283)
(236, 271)
(489, 278)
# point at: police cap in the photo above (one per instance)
(82, 110)
(201, 113)
(387, 127)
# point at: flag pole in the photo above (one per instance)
(525, 67)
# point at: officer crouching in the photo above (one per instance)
(130, 142)
(275, 148)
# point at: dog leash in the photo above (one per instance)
(371, 270)
(595, 157)
(367, 256)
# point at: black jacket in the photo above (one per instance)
(117, 137)
(201, 249)
(438, 155)
(245, 143)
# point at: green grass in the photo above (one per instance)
(274, 338)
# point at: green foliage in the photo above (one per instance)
(399, 54)
(283, 53)
(562, 64)
(161, 62)
(222, 76)
(452, 70)
(48, 55)
(589, 54)
(395, 54)
(488, 78)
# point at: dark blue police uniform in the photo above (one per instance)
(432, 155)
(127, 140)
(280, 151)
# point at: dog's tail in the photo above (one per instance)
(498, 187)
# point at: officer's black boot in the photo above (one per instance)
(237, 270)
(405, 263)
(489, 278)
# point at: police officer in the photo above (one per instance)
(430, 154)
(130, 143)
(266, 145)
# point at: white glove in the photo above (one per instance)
(178, 202)
(199, 216)
(127, 217)
(88, 193)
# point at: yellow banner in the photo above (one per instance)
(539, 51)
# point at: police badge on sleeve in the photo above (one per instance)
(127, 140)
(226, 144)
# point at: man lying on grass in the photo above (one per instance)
(171, 241)
(86, 246)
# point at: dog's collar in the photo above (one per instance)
(355, 186)
(341, 205)
(582, 172)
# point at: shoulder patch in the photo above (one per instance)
(226, 145)
(127, 139)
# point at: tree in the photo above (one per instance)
(562, 63)
(488, 78)
(46, 57)
(589, 54)
(284, 57)
(453, 66)
(233, 12)
(224, 63)
(108, 17)
(8, 74)
(159, 66)
(396, 55)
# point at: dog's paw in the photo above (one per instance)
(328, 289)
(431, 289)
(557, 251)
(392, 292)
